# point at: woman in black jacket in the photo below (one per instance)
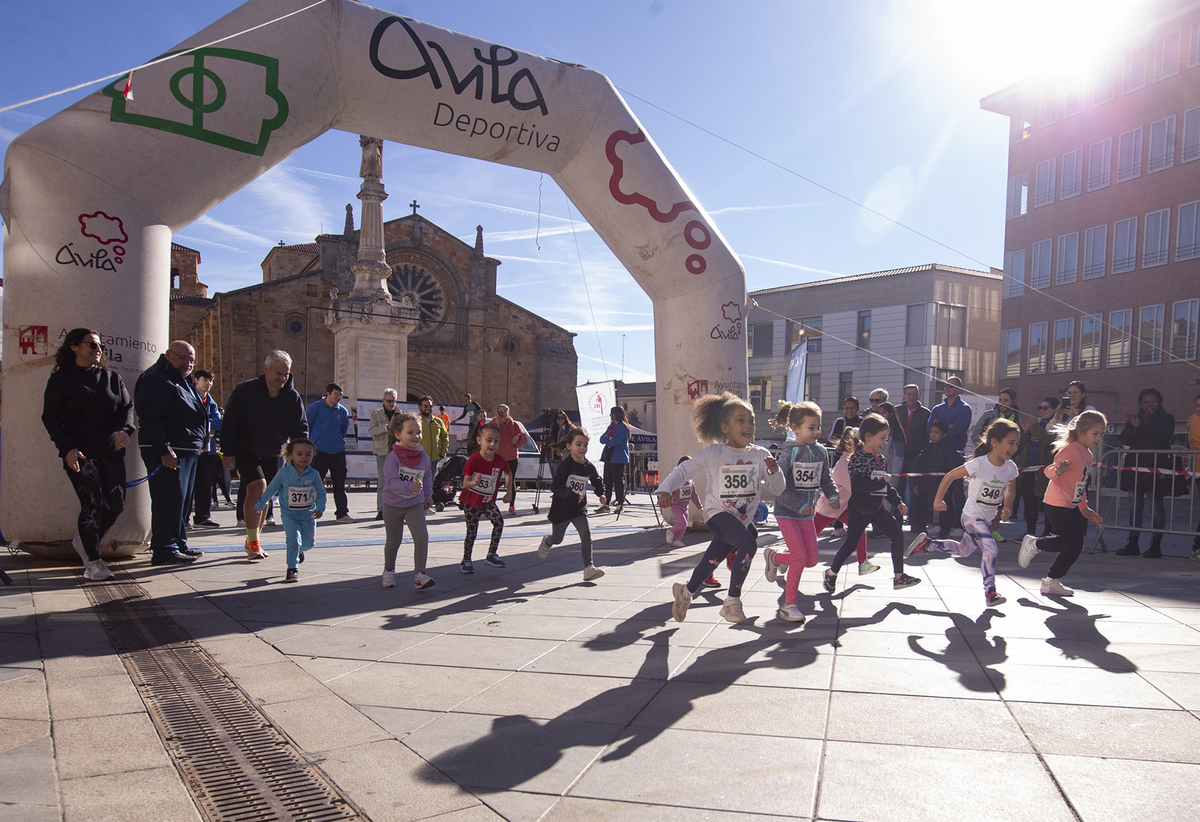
(1150, 428)
(89, 416)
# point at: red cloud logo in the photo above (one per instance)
(100, 226)
(636, 198)
(732, 312)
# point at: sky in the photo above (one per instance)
(824, 139)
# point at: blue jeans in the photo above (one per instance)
(170, 499)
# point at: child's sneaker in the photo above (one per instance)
(712, 582)
(592, 573)
(771, 570)
(494, 560)
(904, 581)
(790, 613)
(389, 579)
(867, 567)
(603, 509)
(996, 535)
(732, 611)
(1028, 551)
(466, 567)
(993, 598)
(544, 547)
(1054, 588)
(422, 581)
(292, 575)
(830, 581)
(679, 607)
(919, 545)
(254, 551)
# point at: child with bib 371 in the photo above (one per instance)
(302, 501)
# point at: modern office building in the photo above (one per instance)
(1102, 242)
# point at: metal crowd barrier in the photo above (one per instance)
(1166, 475)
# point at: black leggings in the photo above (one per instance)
(614, 482)
(856, 525)
(1066, 527)
(473, 516)
(100, 486)
(730, 536)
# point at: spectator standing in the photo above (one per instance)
(471, 411)
(381, 442)
(1150, 428)
(209, 467)
(914, 421)
(512, 437)
(328, 423)
(444, 417)
(1035, 450)
(174, 431)
(1074, 403)
(955, 413)
(1004, 409)
(435, 437)
(851, 418)
(261, 415)
(615, 457)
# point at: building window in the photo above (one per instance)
(812, 385)
(914, 329)
(1011, 368)
(1014, 274)
(864, 330)
(1106, 84)
(1158, 227)
(1039, 274)
(812, 330)
(1048, 110)
(760, 393)
(1018, 195)
(1183, 330)
(1073, 102)
(1191, 136)
(1162, 144)
(1133, 76)
(749, 337)
(1166, 56)
(1043, 192)
(1068, 258)
(845, 385)
(1089, 341)
(293, 324)
(1072, 174)
(1129, 155)
(1125, 245)
(764, 339)
(1064, 344)
(792, 330)
(1187, 241)
(1037, 349)
(1099, 164)
(1194, 45)
(1150, 335)
(1095, 251)
(950, 325)
(1119, 337)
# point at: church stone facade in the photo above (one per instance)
(468, 338)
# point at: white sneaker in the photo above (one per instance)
(346, 518)
(1028, 551)
(771, 570)
(682, 600)
(389, 579)
(422, 581)
(592, 572)
(544, 547)
(96, 571)
(678, 543)
(77, 544)
(732, 611)
(790, 612)
(1054, 588)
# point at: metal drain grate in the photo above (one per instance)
(238, 766)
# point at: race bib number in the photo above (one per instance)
(880, 476)
(991, 492)
(1080, 490)
(577, 484)
(806, 475)
(685, 493)
(301, 497)
(737, 482)
(411, 474)
(485, 486)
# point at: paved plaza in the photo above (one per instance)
(525, 693)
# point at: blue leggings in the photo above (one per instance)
(977, 533)
(298, 532)
(730, 536)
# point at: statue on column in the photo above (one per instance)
(372, 158)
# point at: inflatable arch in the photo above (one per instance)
(92, 196)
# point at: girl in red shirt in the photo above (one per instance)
(481, 480)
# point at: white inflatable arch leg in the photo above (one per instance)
(92, 196)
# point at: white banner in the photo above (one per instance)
(596, 400)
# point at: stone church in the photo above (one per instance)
(462, 336)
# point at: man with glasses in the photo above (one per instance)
(172, 432)
(381, 443)
(328, 422)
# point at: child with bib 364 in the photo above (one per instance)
(302, 501)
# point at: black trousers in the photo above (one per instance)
(1066, 526)
(614, 481)
(100, 486)
(207, 470)
(335, 466)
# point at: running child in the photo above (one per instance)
(990, 492)
(681, 502)
(870, 485)
(736, 468)
(481, 481)
(407, 493)
(301, 501)
(805, 466)
(827, 513)
(1066, 502)
(568, 505)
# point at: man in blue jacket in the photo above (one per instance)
(328, 422)
(955, 413)
(209, 463)
(172, 431)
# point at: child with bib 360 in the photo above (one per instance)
(736, 469)
(407, 493)
(302, 501)
(990, 493)
(568, 505)
(481, 482)
(805, 465)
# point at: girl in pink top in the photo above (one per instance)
(1065, 501)
(826, 513)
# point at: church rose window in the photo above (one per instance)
(425, 292)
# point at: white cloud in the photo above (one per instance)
(258, 241)
(795, 266)
(187, 238)
(735, 209)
